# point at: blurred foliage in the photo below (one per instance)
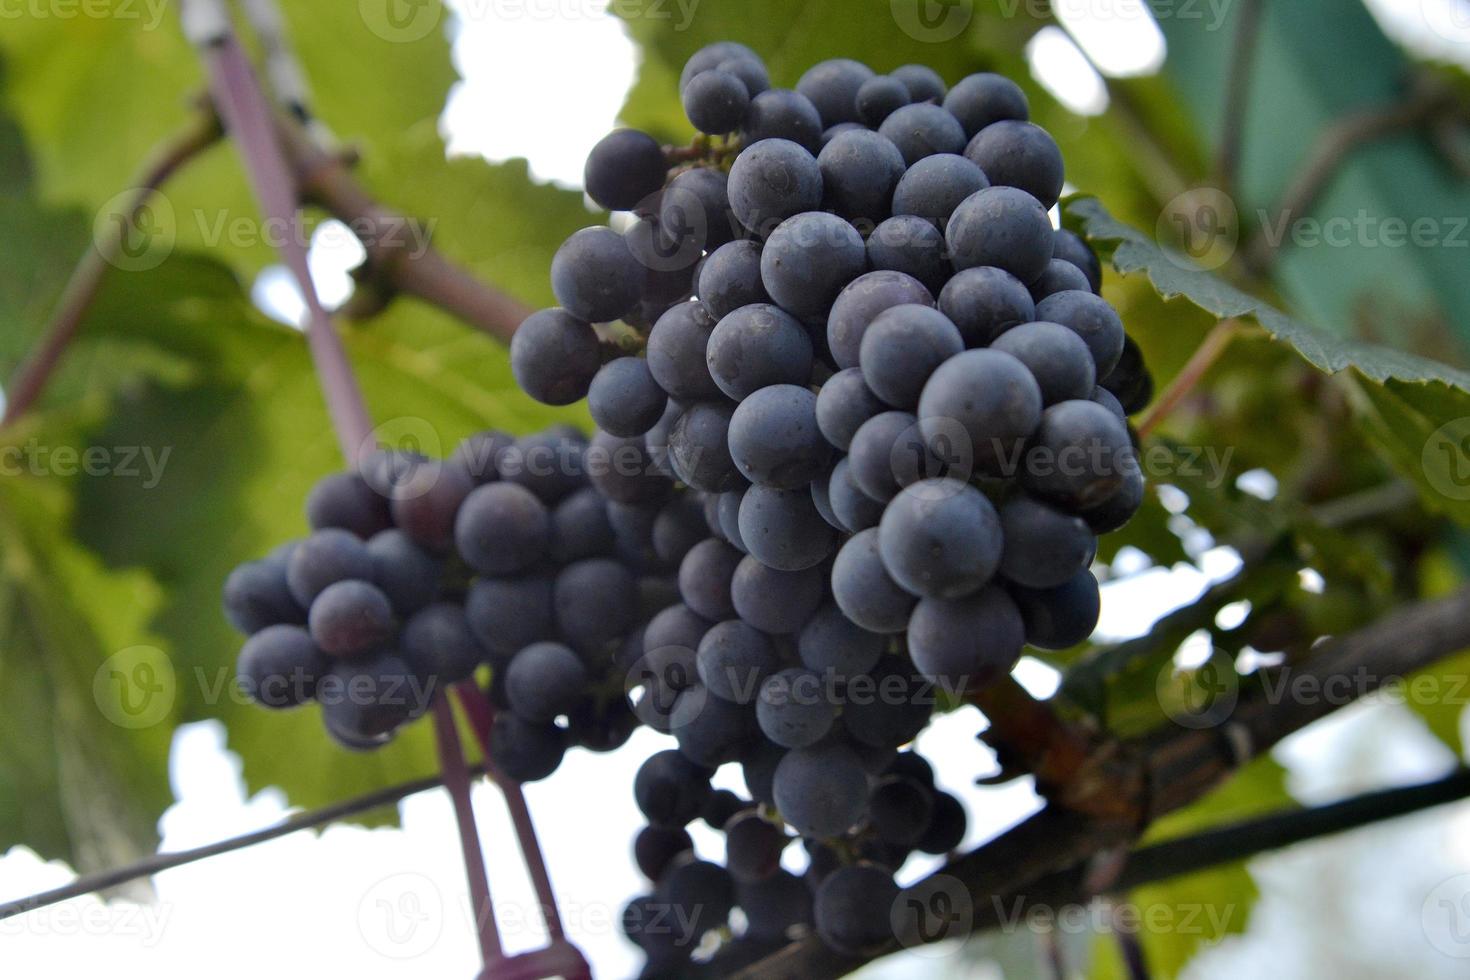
(177, 359)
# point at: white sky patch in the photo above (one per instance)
(1120, 37)
(1259, 483)
(1062, 69)
(276, 294)
(541, 80)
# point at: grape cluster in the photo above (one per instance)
(906, 404)
(418, 572)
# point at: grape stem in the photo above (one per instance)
(457, 781)
(1029, 735)
(85, 282)
(1194, 370)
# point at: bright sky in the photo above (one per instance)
(391, 903)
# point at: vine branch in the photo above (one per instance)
(86, 279)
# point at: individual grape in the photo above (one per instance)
(984, 303)
(1057, 358)
(979, 100)
(940, 538)
(1020, 154)
(257, 595)
(902, 347)
(863, 589)
(344, 500)
(890, 707)
(694, 211)
(709, 729)
(1003, 227)
(782, 529)
(830, 643)
(656, 847)
(912, 245)
(729, 511)
(844, 403)
(327, 556)
(923, 82)
(524, 751)
(1130, 380)
(676, 352)
(750, 70)
(731, 278)
(594, 275)
(773, 180)
(408, 575)
(753, 847)
(989, 397)
(554, 356)
(1115, 512)
(833, 86)
(966, 644)
(502, 528)
(1109, 401)
(933, 187)
(699, 449)
(509, 614)
(545, 680)
(439, 646)
(774, 601)
(721, 807)
(656, 439)
(913, 766)
(679, 526)
(595, 601)
(946, 828)
(1070, 247)
(922, 130)
(774, 439)
(1061, 617)
(821, 791)
(715, 101)
(882, 854)
(774, 906)
(624, 398)
(670, 790)
(279, 666)
(622, 470)
(860, 302)
(1080, 455)
(821, 498)
(700, 894)
(859, 170)
(476, 456)
(758, 768)
(676, 629)
(426, 502)
(757, 346)
(855, 510)
(1093, 319)
(733, 659)
(385, 470)
(853, 908)
(364, 700)
(832, 132)
(881, 453)
(899, 809)
(809, 259)
(550, 464)
(783, 114)
(1043, 546)
(705, 576)
(625, 167)
(581, 528)
(712, 56)
(794, 709)
(880, 97)
(1060, 276)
